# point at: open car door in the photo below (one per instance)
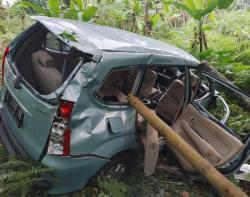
(215, 124)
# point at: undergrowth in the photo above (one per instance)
(19, 175)
(229, 51)
(137, 185)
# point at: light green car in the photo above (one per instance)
(64, 102)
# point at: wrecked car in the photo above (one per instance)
(64, 102)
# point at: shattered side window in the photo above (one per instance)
(231, 108)
(117, 86)
(53, 43)
(228, 105)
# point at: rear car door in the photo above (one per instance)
(30, 99)
(28, 117)
(106, 118)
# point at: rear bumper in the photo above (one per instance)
(11, 144)
(71, 174)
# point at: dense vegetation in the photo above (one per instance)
(220, 36)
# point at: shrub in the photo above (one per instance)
(19, 175)
(244, 57)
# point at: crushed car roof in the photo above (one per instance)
(94, 39)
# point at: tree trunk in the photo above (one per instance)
(85, 4)
(200, 40)
(23, 20)
(204, 40)
(147, 23)
(194, 44)
(67, 3)
(133, 25)
(200, 29)
(244, 103)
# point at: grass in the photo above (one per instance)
(158, 185)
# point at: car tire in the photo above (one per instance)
(118, 167)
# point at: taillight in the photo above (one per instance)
(66, 109)
(59, 139)
(6, 52)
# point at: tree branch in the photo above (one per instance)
(244, 103)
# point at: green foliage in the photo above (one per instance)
(68, 36)
(54, 8)
(198, 8)
(154, 19)
(242, 80)
(217, 109)
(77, 10)
(11, 23)
(160, 184)
(3, 155)
(89, 13)
(135, 6)
(229, 43)
(113, 188)
(111, 14)
(247, 176)
(131, 18)
(239, 120)
(224, 4)
(35, 7)
(76, 4)
(244, 57)
(18, 175)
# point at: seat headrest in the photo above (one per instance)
(171, 101)
(176, 90)
(148, 83)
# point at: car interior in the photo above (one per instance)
(44, 61)
(163, 90)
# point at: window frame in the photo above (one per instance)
(61, 44)
(134, 88)
(210, 86)
(139, 80)
(204, 111)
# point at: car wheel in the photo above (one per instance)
(119, 166)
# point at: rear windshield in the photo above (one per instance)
(44, 61)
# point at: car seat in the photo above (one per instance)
(46, 73)
(170, 103)
(148, 82)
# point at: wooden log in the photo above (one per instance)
(244, 103)
(215, 178)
